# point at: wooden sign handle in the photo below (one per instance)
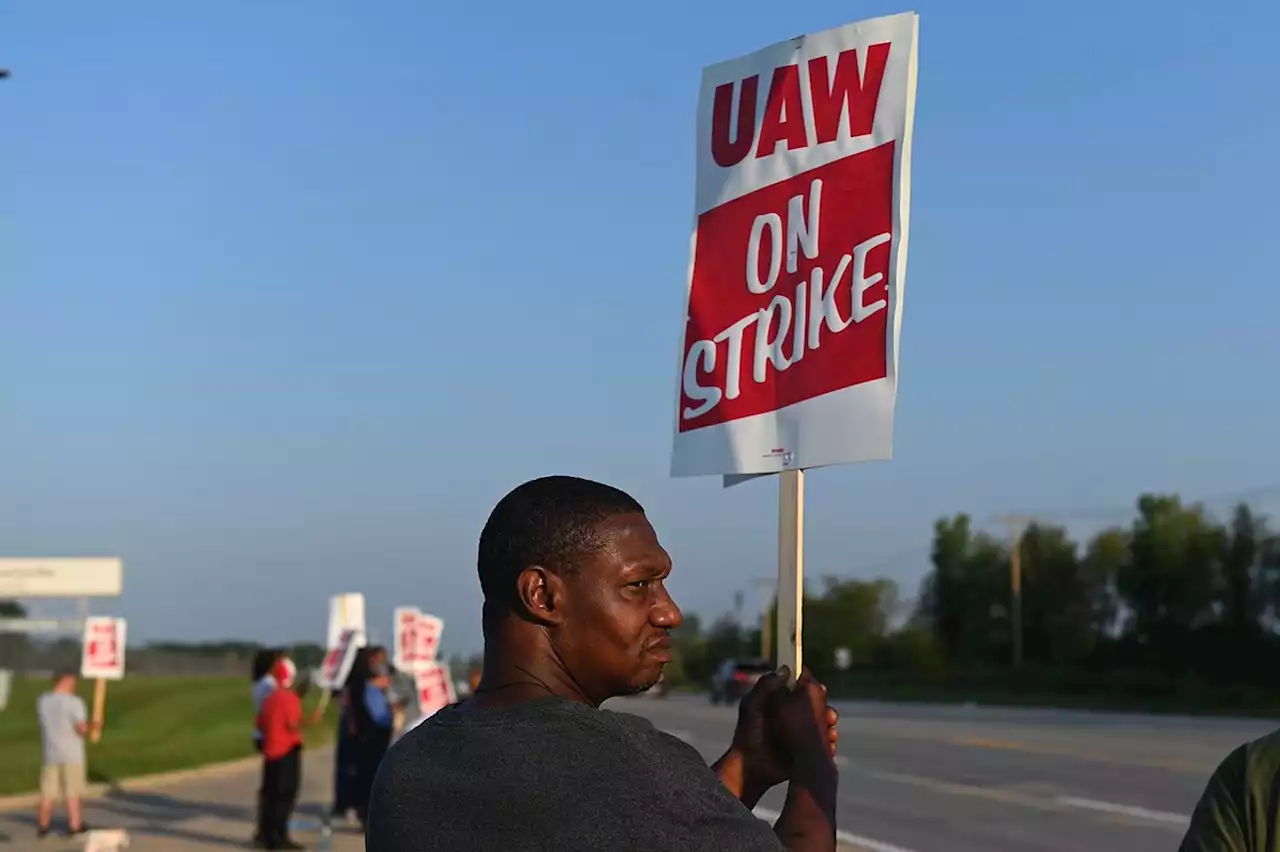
(790, 571)
(99, 709)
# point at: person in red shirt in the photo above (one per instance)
(280, 725)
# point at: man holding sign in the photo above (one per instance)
(63, 726)
(576, 612)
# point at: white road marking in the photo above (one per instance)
(1124, 810)
(856, 840)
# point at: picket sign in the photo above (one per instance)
(417, 638)
(337, 662)
(345, 610)
(435, 688)
(102, 651)
(346, 613)
(789, 357)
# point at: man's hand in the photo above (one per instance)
(765, 741)
(800, 720)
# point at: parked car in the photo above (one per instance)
(734, 679)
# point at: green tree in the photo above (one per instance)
(967, 596)
(1243, 592)
(1067, 602)
(1171, 581)
(851, 614)
(943, 590)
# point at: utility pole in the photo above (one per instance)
(1017, 525)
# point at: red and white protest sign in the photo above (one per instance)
(102, 649)
(790, 350)
(435, 688)
(345, 610)
(339, 659)
(417, 638)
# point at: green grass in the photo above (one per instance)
(153, 724)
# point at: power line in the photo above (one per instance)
(1110, 513)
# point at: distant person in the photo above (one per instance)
(397, 687)
(576, 612)
(63, 727)
(345, 764)
(1240, 806)
(370, 712)
(399, 690)
(264, 661)
(281, 723)
(343, 761)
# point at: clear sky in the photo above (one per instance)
(291, 293)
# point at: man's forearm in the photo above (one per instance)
(733, 775)
(808, 820)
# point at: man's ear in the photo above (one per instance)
(542, 595)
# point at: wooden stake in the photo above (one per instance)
(99, 709)
(790, 570)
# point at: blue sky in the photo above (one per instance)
(292, 293)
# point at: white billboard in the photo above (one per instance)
(61, 578)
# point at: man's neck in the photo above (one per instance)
(534, 672)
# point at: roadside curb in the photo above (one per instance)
(22, 801)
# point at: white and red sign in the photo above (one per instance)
(345, 611)
(417, 638)
(339, 659)
(435, 688)
(102, 648)
(790, 350)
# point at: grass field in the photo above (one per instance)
(153, 724)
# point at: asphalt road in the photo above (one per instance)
(930, 778)
(914, 778)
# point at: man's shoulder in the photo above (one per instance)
(59, 699)
(1258, 760)
(550, 729)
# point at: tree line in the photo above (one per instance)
(1176, 604)
(1177, 607)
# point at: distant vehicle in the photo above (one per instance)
(735, 678)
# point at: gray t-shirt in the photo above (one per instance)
(553, 776)
(59, 713)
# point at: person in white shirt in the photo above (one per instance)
(263, 685)
(63, 727)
